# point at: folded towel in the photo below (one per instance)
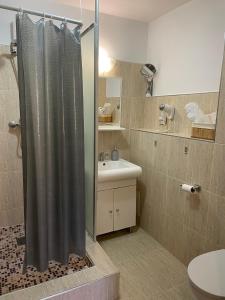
(196, 115)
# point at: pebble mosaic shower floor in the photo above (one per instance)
(11, 263)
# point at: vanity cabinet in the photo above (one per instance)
(116, 208)
(105, 209)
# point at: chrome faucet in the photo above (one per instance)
(101, 156)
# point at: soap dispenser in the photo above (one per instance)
(115, 154)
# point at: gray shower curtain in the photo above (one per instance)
(51, 108)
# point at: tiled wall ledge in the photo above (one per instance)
(208, 102)
(99, 282)
(174, 134)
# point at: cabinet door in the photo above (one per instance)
(124, 207)
(104, 217)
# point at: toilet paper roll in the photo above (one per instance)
(188, 188)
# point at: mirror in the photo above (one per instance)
(187, 54)
(179, 69)
(109, 100)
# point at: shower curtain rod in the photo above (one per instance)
(41, 14)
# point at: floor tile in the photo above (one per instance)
(147, 270)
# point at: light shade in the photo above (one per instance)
(106, 63)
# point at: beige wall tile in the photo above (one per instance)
(125, 112)
(149, 149)
(181, 241)
(194, 243)
(145, 217)
(199, 165)
(156, 224)
(196, 211)
(122, 142)
(108, 142)
(153, 201)
(101, 91)
(3, 119)
(134, 84)
(178, 161)
(151, 113)
(217, 185)
(215, 233)
(15, 189)
(4, 196)
(173, 236)
(14, 155)
(137, 149)
(161, 152)
(220, 132)
(11, 194)
(4, 218)
(11, 106)
(175, 218)
(141, 192)
(136, 112)
(3, 152)
(175, 199)
(100, 141)
(156, 189)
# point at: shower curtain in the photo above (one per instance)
(51, 108)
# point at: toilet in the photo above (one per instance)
(207, 275)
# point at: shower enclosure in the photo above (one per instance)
(76, 144)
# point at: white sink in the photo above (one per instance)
(116, 170)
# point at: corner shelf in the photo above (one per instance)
(110, 128)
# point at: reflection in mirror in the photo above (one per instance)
(194, 102)
(188, 58)
(109, 100)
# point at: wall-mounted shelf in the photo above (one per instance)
(110, 128)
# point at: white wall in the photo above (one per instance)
(186, 46)
(123, 39)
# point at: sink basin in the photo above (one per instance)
(116, 170)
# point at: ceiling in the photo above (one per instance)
(140, 10)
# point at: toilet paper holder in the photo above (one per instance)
(190, 188)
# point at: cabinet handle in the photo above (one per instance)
(110, 211)
(117, 210)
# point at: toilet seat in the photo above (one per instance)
(207, 272)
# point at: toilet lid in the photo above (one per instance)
(207, 272)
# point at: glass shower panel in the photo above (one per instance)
(87, 45)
